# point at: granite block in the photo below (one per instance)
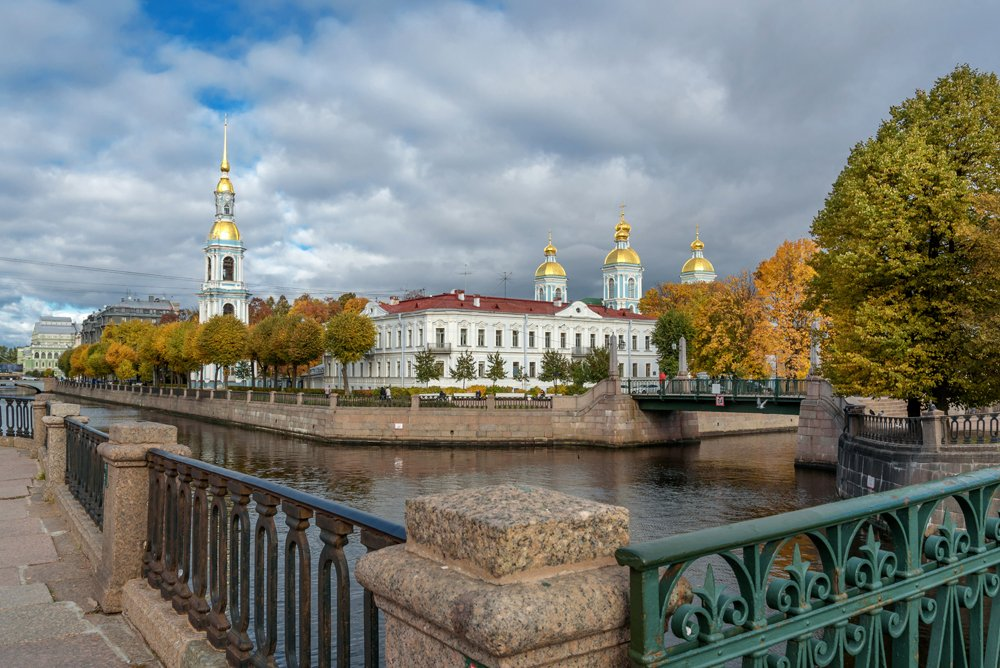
(508, 530)
(20, 595)
(143, 433)
(59, 409)
(26, 550)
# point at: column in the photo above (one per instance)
(126, 499)
(55, 446)
(503, 576)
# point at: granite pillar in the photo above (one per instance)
(126, 498)
(503, 576)
(37, 425)
(55, 440)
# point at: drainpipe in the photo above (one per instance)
(402, 356)
(524, 347)
(628, 346)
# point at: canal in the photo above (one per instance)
(668, 490)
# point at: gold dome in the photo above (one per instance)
(622, 256)
(550, 269)
(622, 229)
(697, 244)
(697, 264)
(225, 230)
(224, 186)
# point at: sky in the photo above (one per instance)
(378, 147)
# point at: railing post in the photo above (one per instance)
(126, 499)
(55, 441)
(464, 590)
(37, 425)
(298, 398)
(270, 399)
(932, 429)
(414, 401)
(491, 402)
(333, 399)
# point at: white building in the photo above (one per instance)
(50, 338)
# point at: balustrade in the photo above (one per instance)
(16, 417)
(971, 429)
(86, 471)
(856, 582)
(884, 429)
(199, 556)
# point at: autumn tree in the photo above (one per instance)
(782, 286)
(348, 337)
(267, 344)
(555, 367)
(465, 368)
(667, 333)
(425, 367)
(729, 331)
(223, 342)
(687, 298)
(496, 367)
(319, 310)
(355, 305)
(305, 342)
(908, 237)
(259, 309)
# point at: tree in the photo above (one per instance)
(280, 307)
(687, 298)
(908, 235)
(495, 367)
(667, 333)
(223, 342)
(593, 368)
(465, 368)
(782, 285)
(305, 342)
(425, 367)
(554, 367)
(728, 330)
(259, 309)
(267, 344)
(348, 337)
(64, 363)
(355, 305)
(319, 310)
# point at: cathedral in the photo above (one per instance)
(224, 290)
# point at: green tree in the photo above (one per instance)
(495, 367)
(64, 363)
(554, 367)
(425, 368)
(268, 345)
(305, 342)
(348, 337)
(465, 368)
(223, 342)
(908, 237)
(597, 365)
(669, 329)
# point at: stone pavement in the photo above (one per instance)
(48, 615)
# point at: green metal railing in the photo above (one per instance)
(705, 388)
(886, 587)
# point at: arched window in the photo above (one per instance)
(631, 288)
(541, 294)
(228, 308)
(227, 209)
(558, 294)
(208, 274)
(611, 288)
(227, 269)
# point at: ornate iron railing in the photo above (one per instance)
(86, 472)
(886, 429)
(539, 403)
(365, 401)
(260, 396)
(971, 429)
(775, 388)
(16, 417)
(286, 398)
(201, 522)
(882, 577)
(315, 400)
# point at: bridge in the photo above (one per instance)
(732, 395)
(36, 384)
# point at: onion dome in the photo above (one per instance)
(550, 267)
(622, 253)
(697, 268)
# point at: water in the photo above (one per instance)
(668, 490)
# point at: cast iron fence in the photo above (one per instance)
(201, 520)
(16, 417)
(365, 401)
(86, 472)
(768, 388)
(919, 595)
(971, 429)
(539, 403)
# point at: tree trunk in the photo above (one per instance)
(347, 390)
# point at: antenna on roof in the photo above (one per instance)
(504, 277)
(465, 286)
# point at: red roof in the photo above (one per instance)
(451, 301)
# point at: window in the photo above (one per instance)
(593, 340)
(635, 342)
(397, 368)
(482, 369)
(562, 339)
(498, 338)
(548, 339)
(648, 370)
(463, 337)
(227, 309)
(378, 369)
(611, 288)
(409, 338)
(578, 340)
(635, 369)
(531, 369)
(208, 274)
(228, 269)
(607, 340)
(621, 368)
(515, 370)
(481, 338)
(647, 346)
(541, 294)
(420, 338)
(558, 294)
(513, 336)
(399, 339)
(531, 339)
(409, 368)
(631, 288)
(439, 337)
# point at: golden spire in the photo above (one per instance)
(622, 229)
(697, 244)
(225, 144)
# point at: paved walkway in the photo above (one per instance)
(48, 616)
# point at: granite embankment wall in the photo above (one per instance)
(732, 424)
(601, 417)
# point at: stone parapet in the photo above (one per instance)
(55, 440)
(504, 576)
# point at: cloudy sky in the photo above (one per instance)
(378, 146)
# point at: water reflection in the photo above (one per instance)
(667, 490)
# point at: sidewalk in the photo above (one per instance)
(48, 615)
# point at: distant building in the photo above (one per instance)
(50, 338)
(130, 308)
(697, 269)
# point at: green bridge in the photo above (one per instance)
(733, 395)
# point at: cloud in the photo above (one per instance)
(380, 146)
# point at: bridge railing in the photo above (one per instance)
(865, 578)
(86, 471)
(884, 429)
(16, 417)
(202, 520)
(776, 388)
